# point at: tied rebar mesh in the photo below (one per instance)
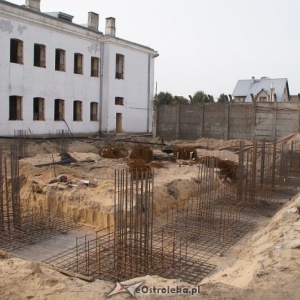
(21, 225)
(180, 242)
(63, 141)
(265, 172)
(134, 246)
(20, 140)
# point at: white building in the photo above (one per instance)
(57, 75)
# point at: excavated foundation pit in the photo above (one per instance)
(183, 228)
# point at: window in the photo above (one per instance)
(39, 56)
(78, 59)
(59, 110)
(15, 108)
(94, 111)
(119, 101)
(38, 109)
(263, 99)
(95, 66)
(60, 60)
(16, 51)
(77, 111)
(120, 66)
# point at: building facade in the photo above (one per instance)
(262, 90)
(57, 75)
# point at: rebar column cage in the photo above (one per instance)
(179, 243)
(63, 141)
(21, 144)
(20, 224)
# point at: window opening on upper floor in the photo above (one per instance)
(95, 64)
(119, 66)
(119, 101)
(39, 56)
(16, 51)
(78, 63)
(60, 60)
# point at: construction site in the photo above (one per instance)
(107, 210)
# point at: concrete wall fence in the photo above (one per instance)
(227, 120)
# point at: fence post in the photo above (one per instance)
(299, 117)
(155, 122)
(177, 131)
(226, 121)
(274, 120)
(253, 125)
(201, 106)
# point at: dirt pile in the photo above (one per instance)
(88, 194)
(267, 266)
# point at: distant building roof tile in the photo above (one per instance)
(246, 87)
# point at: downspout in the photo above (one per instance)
(101, 85)
(148, 93)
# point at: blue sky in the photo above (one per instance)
(204, 44)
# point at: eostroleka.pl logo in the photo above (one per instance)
(120, 288)
(138, 289)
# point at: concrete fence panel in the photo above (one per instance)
(228, 120)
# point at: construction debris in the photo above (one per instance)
(185, 152)
(156, 164)
(66, 159)
(113, 152)
(142, 152)
(138, 168)
(228, 169)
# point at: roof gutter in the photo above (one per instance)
(148, 93)
(288, 90)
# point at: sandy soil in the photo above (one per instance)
(265, 264)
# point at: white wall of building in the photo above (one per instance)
(27, 81)
(136, 88)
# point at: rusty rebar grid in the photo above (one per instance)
(63, 141)
(257, 174)
(21, 225)
(21, 144)
(97, 258)
(181, 242)
(133, 246)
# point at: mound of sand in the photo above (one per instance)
(267, 268)
(264, 265)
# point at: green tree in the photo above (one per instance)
(180, 100)
(200, 97)
(210, 98)
(223, 98)
(163, 98)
